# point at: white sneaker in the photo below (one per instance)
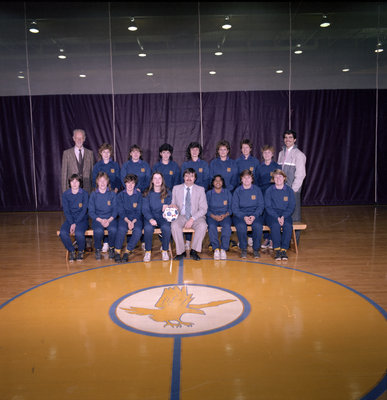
(216, 254)
(270, 244)
(188, 245)
(250, 241)
(223, 254)
(147, 256)
(105, 247)
(164, 255)
(265, 244)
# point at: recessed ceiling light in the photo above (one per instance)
(20, 76)
(142, 54)
(379, 48)
(212, 72)
(62, 56)
(218, 53)
(297, 51)
(82, 75)
(279, 71)
(345, 69)
(149, 73)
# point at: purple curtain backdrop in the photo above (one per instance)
(336, 131)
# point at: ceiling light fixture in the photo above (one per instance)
(142, 54)
(61, 55)
(279, 71)
(345, 69)
(212, 72)
(298, 50)
(132, 25)
(379, 48)
(325, 23)
(34, 27)
(149, 73)
(227, 25)
(82, 75)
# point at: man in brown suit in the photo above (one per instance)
(78, 160)
(191, 201)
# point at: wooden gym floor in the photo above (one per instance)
(313, 327)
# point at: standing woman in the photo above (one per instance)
(219, 214)
(193, 154)
(137, 166)
(279, 204)
(263, 179)
(129, 203)
(246, 160)
(107, 165)
(223, 165)
(103, 212)
(75, 201)
(247, 208)
(156, 198)
(167, 167)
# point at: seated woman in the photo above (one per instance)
(247, 208)
(156, 198)
(103, 212)
(279, 205)
(129, 203)
(75, 201)
(219, 214)
(263, 179)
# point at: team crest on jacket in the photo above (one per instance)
(179, 310)
(109, 203)
(80, 205)
(170, 172)
(134, 205)
(253, 197)
(286, 198)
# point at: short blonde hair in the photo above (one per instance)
(278, 172)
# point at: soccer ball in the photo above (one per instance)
(170, 214)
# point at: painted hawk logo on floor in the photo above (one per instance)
(172, 305)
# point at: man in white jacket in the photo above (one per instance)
(292, 161)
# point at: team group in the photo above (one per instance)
(243, 192)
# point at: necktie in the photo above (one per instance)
(80, 156)
(188, 204)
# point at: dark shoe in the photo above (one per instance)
(179, 256)
(97, 254)
(233, 243)
(80, 256)
(117, 257)
(125, 257)
(284, 256)
(278, 255)
(71, 256)
(111, 252)
(243, 253)
(194, 255)
(256, 254)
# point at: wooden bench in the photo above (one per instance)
(297, 226)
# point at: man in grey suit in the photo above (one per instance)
(78, 160)
(191, 201)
